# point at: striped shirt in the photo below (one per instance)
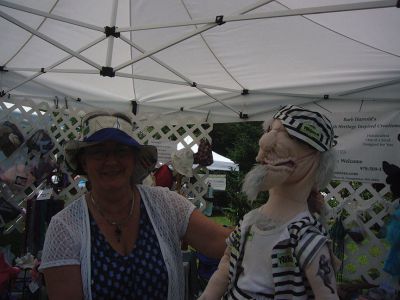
(298, 244)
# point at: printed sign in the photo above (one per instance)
(364, 141)
(218, 182)
(164, 149)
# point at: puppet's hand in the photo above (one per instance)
(393, 177)
(219, 281)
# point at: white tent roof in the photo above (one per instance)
(172, 57)
(222, 163)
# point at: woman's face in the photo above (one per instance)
(109, 165)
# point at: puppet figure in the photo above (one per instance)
(280, 250)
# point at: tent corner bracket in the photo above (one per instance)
(107, 72)
(245, 92)
(243, 116)
(111, 31)
(219, 20)
(3, 69)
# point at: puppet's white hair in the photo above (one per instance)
(325, 169)
(253, 181)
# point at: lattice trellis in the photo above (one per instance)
(366, 208)
(62, 124)
(362, 205)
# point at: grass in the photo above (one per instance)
(220, 219)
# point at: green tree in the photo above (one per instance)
(239, 142)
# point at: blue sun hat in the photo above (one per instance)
(311, 127)
(99, 127)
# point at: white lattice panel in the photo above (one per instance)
(366, 209)
(363, 204)
(61, 123)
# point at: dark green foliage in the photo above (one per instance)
(238, 141)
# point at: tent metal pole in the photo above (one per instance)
(30, 37)
(193, 22)
(370, 87)
(119, 74)
(78, 71)
(110, 45)
(209, 21)
(164, 80)
(185, 37)
(316, 10)
(294, 95)
(325, 97)
(276, 14)
(155, 59)
(163, 47)
(49, 40)
(50, 16)
(179, 74)
(172, 70)
(95, 42)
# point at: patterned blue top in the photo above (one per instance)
(141, 274)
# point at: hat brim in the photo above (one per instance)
(146, 157)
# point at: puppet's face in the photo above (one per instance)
(278, 150)
(282, 159)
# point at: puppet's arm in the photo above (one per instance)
(321, 276)
(219, 281)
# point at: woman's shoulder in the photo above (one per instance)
(157, 191)
(162, 197)
(73, 209)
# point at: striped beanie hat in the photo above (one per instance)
(309, 126)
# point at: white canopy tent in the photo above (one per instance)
(222, 163)
(222, 60)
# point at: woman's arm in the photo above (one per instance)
(206, 236)
(63, 283)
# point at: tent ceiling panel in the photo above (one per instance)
(201, 68)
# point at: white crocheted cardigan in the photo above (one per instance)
(67, 239)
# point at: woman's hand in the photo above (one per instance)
(64, 283)
(206, 236)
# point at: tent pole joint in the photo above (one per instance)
(134, 107)
(111, 31)
(3, 69)
(219, 20)
(326, 97)
(42, 70)
(245, 92)
(107, 72)
(194, 84)
(243, 116)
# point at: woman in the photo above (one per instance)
(121, 240)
